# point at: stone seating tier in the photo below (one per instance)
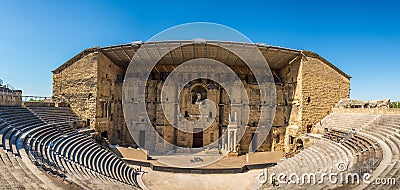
(27, 134)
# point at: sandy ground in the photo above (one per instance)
(172, 181)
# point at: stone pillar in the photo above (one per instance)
(226, 140)
(229, 141)
(232, 131)
(234, 140)
(222, 142)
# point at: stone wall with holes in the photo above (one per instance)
(110, 120)
(188, 109)
(77, 85)
(289, 93)
(289, 98)
(314, 88)
(215, 123)
(322, 87)
(278, 138)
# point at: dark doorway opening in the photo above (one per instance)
(197, 138)
(299, 144)
(142, 136)
(104, 134)
(309, 127)
(291, 139)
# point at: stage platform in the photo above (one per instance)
(231, 164)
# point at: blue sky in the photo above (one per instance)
(360, 37)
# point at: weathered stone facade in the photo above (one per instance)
(322, 87)
(10, 97)
(319, 86)
(77, 84)
(92, 86)
(109, 114)
(306, 86)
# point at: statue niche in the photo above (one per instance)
(199, 94)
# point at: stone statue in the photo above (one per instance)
(198, 98)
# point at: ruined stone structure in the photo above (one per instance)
(350, 103)
(307, 86)
(10, 96)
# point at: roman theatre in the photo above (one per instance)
(307, 86)
(81, 137)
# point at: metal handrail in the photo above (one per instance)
(34, 98)
(9, 87)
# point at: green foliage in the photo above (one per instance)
(394, 104)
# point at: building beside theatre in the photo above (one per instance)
(9, 96)
(307, 86)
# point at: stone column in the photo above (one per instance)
(223, 142)
(234, 140)
(229, 140)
